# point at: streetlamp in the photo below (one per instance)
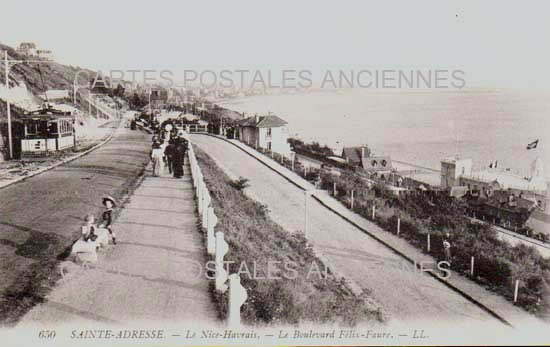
(7, 68)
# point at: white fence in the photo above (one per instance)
(216, 244)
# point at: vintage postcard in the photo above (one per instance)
(274, 173)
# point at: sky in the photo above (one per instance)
(497, 44)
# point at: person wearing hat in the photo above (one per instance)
(156, 156)
(168, 153)
(107, 216)
(178, 157)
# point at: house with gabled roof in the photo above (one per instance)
(265, 132)
(361, 156)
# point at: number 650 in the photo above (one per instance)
(46, 334)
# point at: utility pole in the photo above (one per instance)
(150, 111)
(6, 72)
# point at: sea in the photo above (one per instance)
(419, 126)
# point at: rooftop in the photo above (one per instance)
(453, 160)
(263, 122)
(505, 179)
(353, 154)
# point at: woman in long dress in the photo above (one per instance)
(156, 155)
(178, 155)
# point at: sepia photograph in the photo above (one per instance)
(274, 173)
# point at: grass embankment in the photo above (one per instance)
(253, 238)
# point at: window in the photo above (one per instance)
(268, 131)
(269, 145)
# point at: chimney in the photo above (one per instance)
(362, 152)
(256, 118)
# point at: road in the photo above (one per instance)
(40, 217)
(405, 295)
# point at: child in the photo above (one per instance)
(86, 245)
(109, 203)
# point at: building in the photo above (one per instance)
(26, 48)
(458, 172)
(31, 49)
(266, 132)
(452, 169)
(361, 156)
(504, 196)
(44, 54)
(380, 165)
(55, 94)
(355, 155)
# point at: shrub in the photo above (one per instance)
(240, 183)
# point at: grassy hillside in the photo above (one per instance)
(38, 77)
(56, 76)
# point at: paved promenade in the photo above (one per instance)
(149, 275)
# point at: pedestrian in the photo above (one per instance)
(168, 153)
(86, 246)
(109, 203)
(178, 157)
(447, 250)
(163, 145)
(156, 156)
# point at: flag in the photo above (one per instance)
(533, 144)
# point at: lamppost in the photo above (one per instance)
(7, 68)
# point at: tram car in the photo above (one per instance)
(47, 131)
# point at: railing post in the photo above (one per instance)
(205, 203)
(351, 200)
(237, 297)
(210, 238)
(398, 225)
(516, 291)
(373, 211)
(199, 195)
(472, 266)
(428, 243)
(221, 249)
(306, 195)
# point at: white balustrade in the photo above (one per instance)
(237, 297)
(216, 245)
